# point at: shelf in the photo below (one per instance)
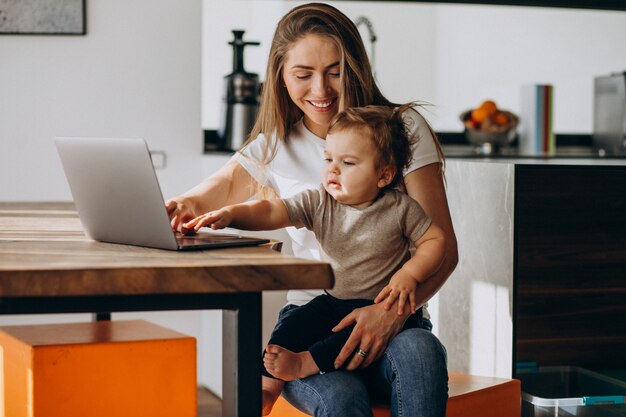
(570, 4)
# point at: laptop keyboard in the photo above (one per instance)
(203, 240)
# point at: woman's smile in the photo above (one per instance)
(322, 105)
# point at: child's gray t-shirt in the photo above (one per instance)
(365, 247)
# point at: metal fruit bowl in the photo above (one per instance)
(499, 136)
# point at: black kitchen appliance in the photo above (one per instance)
(241, 98)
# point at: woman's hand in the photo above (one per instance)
(374, 328)
(180, 213)
(401, 288)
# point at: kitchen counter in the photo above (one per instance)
(563, 153)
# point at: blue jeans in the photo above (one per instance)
(309, 327)
(411, 376)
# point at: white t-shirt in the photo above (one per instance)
(298, 165)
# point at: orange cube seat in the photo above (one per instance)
(109, 368)
(468, 396)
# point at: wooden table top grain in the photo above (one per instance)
(44, 252)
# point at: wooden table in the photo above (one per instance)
(47, 265)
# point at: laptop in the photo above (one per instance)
(118, 197)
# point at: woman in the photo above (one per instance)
(317, 67)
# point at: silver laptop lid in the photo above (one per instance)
(116, 191)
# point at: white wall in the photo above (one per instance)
(452, 56)
(491, 52)
(136, 73)
(258, 19)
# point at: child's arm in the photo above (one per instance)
(252, 215)
(429, 254)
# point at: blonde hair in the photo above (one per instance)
(277, 112)
(385, 128)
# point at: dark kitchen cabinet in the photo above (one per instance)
(570, 265)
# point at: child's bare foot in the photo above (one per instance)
(271, 389)
(287, 365)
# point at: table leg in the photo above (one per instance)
(101, 316)
(241, 378)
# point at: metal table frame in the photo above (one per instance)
(241, 332)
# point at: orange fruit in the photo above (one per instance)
(479, 115)
(470, 124)
(489, 106)
(501, 118)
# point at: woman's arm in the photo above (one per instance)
(375, 326)
(231, 184)
(426, 185)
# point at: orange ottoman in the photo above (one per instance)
(468, 396)
(116, 368)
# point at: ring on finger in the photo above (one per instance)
(362, 353)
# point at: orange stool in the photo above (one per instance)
(117, 368)
(468, 396)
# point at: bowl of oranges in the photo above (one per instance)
(488, 125)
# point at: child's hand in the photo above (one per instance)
(218, 219)
(401, 287)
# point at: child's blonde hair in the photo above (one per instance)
(384, 126)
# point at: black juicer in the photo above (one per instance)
(241, 98)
